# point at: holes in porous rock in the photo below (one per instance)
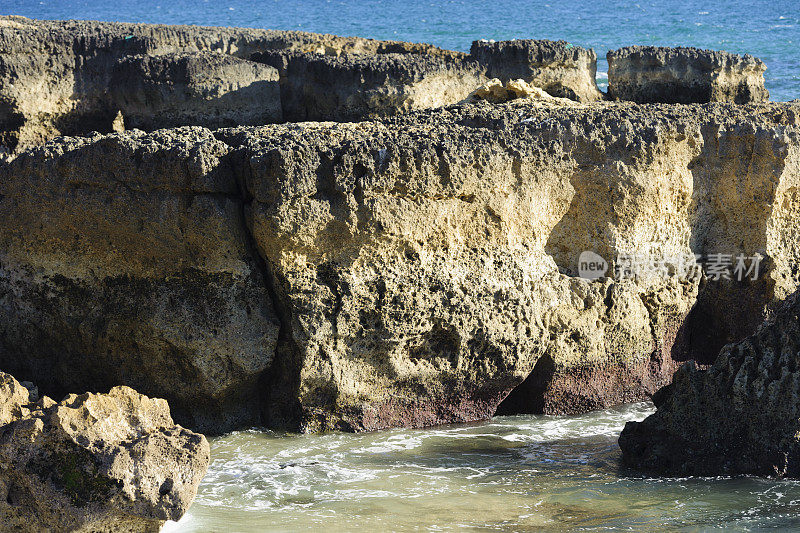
(370, 320)
(13, 497)
(440, 342)
(326, 274)
(561, 91)
(360, 171)
(412, 256)
(166, 487)
(467, 198)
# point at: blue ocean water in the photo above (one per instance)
(767, 29)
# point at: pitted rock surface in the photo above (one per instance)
(647, 74)
(125, 261)
(402, 272)
(95, 462)
(194, 89)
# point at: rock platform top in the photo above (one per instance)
(74, 77)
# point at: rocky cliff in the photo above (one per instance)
(403, 272)
(125, 260)
(200, 89)
(684, 75)
(74, 77)
(560, 68)
(93, 462)
(738, 417)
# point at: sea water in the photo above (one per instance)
(766, 29)
(514, 473)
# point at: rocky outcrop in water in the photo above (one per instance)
(404, 272)
(75, 77)
(419, 269)
(684, 75)
(738, 417)
(560, 68)
(429, 263)
(93, 462)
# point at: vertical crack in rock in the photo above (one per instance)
(743, 178)
(279, 383)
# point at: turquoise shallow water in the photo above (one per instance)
(517, 473)
(767, 29)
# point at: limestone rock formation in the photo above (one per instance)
(684, 75)
(358, 86)
(741, 416)
(402, 272)
(74, 77)
(560, 68)
(194, 89)
(424, 266)
(124, 260)
(94, 462)
(494, 91)
(54, 75)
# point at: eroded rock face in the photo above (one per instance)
(124, 260)
(194, 89)
(358, 86)
(560, 68)
(403, 272)
(427, 265)
(74, 77)
(738, 417)
(94, 462)
(684, 75)
(54, 75)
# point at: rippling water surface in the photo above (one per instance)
(515, 473)
(769, 29)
